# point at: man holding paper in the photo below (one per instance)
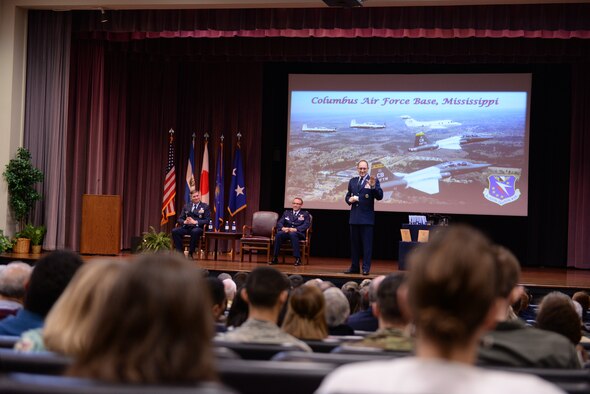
(362, 193)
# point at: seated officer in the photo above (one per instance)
(192, 219)
(292, 226)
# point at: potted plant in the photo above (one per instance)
(153, 241)
(21, 176)
(5, 242)
(37, 233)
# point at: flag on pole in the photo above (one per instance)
(219, 197)
(190, 177)
(204, 180)
(169, 184)
(237, 190)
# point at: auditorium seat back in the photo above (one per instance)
(20, 383)
(254, 351)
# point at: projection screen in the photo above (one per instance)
(438, 143)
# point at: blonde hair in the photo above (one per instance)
(305, 317)
(67, 324)
(155, 326)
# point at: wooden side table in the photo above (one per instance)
(220, 236)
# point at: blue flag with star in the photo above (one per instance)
(237, 190)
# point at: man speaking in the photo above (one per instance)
(362, 193)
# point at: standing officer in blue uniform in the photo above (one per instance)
(193, 218)
(362, 193)
(292, 226)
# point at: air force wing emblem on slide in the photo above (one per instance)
(502, 189)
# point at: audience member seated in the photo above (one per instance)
(511, 342)
(266, 291)
(584, 300)
(393, 325)
(451, 296)
(240, 278)
(365, 320)
(49, 278)
(155, 327)
(306, 314)
(337, 311)
(13, 278)
(353, 296)
(68, 322)
(230, 289)
(238, 312)
(296, 280)
(527, 312)
(557, 313)
(219, 303)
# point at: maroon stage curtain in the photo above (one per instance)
(122, 108)
(579, 197)
(494, 21)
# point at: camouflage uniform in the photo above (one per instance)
(392, 339)
(261, 331)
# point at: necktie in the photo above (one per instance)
(194, 208)
(361, 180)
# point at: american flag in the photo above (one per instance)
(169, 184)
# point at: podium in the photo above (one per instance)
(101, 224)
(406, 246)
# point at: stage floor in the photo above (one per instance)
(558, 278)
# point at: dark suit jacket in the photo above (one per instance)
(202, 214)
(363, 211)
(301, 222)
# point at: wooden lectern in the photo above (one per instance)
(101, 224)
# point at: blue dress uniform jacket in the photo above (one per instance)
(363, 211)
(300, 221)
(362, 220)
(202, 214)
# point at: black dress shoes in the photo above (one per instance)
(365, 273)
(297, 262)
(274, 261)
(349, 271)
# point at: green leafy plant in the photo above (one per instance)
(5, 242)
(152, 241)
(21, 177)
(34, 233)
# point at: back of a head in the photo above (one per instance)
(387, 300)
(451, 286)
(307, 302)
(230, 288)
(507, 271)
(156, 326)
(240, 278)
(296, 280)
(353, 295)
(583, 299)
(337, 307)
(216, 291)
(49, 278)
(264, 286)
(73, 315)
(13, 278)
(305, 317)
(557, 314)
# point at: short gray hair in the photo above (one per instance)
(337, 307)
(13, 279)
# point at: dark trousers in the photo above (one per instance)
(282, 237)
(361, 238)
(179, 232)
